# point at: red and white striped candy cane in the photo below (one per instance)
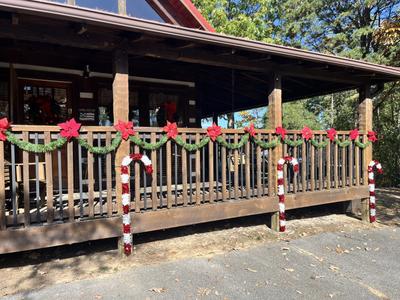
(126, 196)
(371, 187)
(281, 190)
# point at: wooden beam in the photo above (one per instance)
(35, 237)
(275, 120)
(121, 110)
(156, 47)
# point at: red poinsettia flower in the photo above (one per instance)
(69, 129)
(354, 134)
(4, 126)
(306, 133)
(332, 133)
(282, 131)
(251, 130)
(372, 136)
(171, 129)
(125, 128)
(214, 131)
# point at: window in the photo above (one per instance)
(4, 108)
(141, 9)
(105, 5)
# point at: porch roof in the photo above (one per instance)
(304, 73)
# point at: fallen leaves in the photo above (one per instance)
(251, 270)
(289, 269)
(158, 290)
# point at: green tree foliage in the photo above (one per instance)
(360, 29)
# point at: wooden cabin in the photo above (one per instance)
(151, 62)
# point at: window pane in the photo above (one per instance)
(105, 5)
(141, 9)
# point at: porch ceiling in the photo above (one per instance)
(167, 51)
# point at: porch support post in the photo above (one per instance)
(365, 109)
(275, 120)
(121, 112)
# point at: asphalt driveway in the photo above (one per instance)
(361, 264)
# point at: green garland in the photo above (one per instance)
(102, 150)
(148, 146)
(192, 147)
(342, 144)
(60, 142)
(266, 145)
(316, 144)
(362, 145)
(35, 148)
(295, 143)
(232, 146)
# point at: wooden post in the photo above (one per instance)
(275, 120)
(121, 112)
(365, 109)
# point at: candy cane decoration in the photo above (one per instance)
(281, 190)
(126, 196)
(371, 187)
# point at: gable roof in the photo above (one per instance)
(181, 12)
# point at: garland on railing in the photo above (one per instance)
(125, 131)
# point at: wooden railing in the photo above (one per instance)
(72, 184)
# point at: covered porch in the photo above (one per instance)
(100, 68)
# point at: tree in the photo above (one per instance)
(360, 29)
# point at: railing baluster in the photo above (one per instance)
(271, 184)
(37, 183)
(259, 166)
(169, 174)
(90, 175)
(154, 174)
(217, 158)
(351, 164)
(60, 184)
(247, 162)
(25, 175)
(100, 174)
(109, 177)
(211, 171)
(344, 179)
(328, 164)
(223, 170)
(304, 179)
(357, 165)
(320, 166)
(145, 182)
(336, 166)
(236, 168)
(176, 172)
(203, 175)
(312, 175)
(13, 186)
(190, 174)
(80, 181)
(137, 183)
(241, 165)
(49, 180)
(230, 173)
(160, 160)
(253, 166)
(2, 189)
(184, 173)
(197, 140)
(295, 155)
(70, 171)
(286, 173)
